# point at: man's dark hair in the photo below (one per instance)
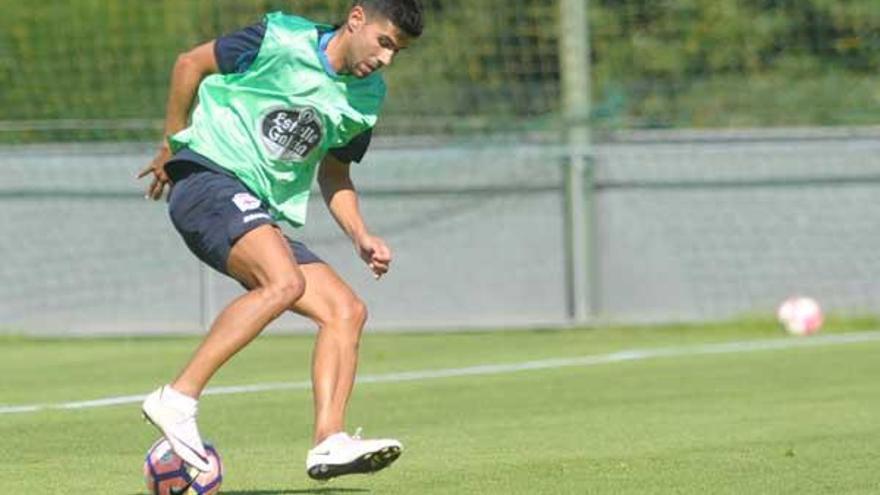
(406, 15)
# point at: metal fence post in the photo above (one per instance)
(574, 56)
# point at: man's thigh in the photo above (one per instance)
(327, 296)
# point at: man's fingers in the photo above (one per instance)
(378, 268)
(146, 171)
(382, 255)
(163, 177)
(155, 190)
(160, 178)
(377, 255)
(151, 191)
(382, 261)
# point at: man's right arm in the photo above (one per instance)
(232, 53)
(189, 70)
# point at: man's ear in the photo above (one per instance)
(357, 17)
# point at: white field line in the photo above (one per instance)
(494, 369)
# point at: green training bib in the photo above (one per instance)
(273, 124)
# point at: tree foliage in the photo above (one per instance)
(486, 64)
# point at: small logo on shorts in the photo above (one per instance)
(246, 202)
(291, 134)
(256, 216)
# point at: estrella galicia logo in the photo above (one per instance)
(291, 134)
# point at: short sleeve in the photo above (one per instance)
(235, 52)
(355, 150)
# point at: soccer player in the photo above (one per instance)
(279, 103)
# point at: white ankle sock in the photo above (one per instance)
(178, 399)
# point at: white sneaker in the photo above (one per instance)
(341, 454)
(177, 422)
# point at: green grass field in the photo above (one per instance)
(796, 420)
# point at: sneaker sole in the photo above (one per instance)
(367, 463)
(149, 420)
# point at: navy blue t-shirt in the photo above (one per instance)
(235, 52)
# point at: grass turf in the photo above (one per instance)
(800, 420)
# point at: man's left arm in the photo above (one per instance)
(339, 193)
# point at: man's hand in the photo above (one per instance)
(157, 168)
(375, 254)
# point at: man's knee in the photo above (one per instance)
(349, 313)
(356, 312)
(282, 291)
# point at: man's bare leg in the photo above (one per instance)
(340, 316)
(261, 260)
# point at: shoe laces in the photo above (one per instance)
(357, 433)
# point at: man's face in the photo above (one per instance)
(374, 44)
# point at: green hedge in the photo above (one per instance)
(487, 64)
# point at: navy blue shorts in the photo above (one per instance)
(212, 210)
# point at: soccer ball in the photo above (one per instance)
(167, 474)
(800, 315)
